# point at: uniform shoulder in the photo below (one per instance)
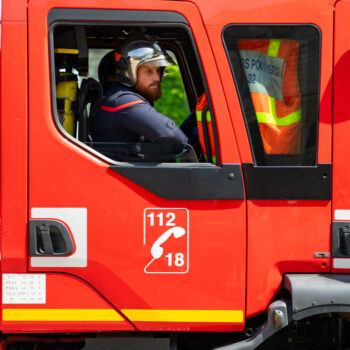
(120, 95)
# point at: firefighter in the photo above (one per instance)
(131, 78)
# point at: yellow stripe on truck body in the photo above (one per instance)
(61, 315)
(134, 315)
(215, 316)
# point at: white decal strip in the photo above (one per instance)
(76, 220)
(341, 214)
(166, 235)
(21, 288)
(339, 263)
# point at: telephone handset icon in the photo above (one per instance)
(156, 249)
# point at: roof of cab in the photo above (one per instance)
(13, 11)
(223, 12)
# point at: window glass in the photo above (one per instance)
(82, 91)
(174, 102)
(276, 70)
(94, 58)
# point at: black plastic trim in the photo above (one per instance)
(290, 182)
(43, 241)
(277, 319)
(243, 92)
(179, 181)
(69, 14)
(341, 239)
(144, 21)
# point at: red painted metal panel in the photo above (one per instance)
(341, 111)
(14, 11)
(64, 292)
(14, 147)
(282, 238)
(282, 235)
(115, 205)
(341, 184)
(215, 35)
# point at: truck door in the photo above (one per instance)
(282, 116)
(341, 120)
(164, 243)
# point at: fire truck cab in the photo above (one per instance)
(248, 247)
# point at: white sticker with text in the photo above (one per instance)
(22, 288)
(265, 74)
(166, 237)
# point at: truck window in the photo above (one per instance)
(276, 71)
(174, 100)
(76, 54)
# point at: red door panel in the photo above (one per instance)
(341, 119)
(284, 235)
(209, 294)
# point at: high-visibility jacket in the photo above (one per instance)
(204, 121)
(271, 70)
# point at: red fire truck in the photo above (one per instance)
(248, 247)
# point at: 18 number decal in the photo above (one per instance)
(179, 259)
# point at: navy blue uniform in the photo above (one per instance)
(126, 116)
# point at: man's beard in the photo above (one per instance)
(151, 94)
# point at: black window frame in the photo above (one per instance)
(54, 22)
(184, 181)
(269, 180)
(282, 31)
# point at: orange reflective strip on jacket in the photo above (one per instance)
(271, 69)
(203, 111)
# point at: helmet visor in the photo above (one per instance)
(159, 62)
(146, 54)
(155, 56)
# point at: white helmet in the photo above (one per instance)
(123, 63)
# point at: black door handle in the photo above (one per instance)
(341, 239)
(49, 238)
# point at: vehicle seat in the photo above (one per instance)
(90, 92)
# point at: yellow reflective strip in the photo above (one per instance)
(272, 103)
(138, 315)
(274, 47)
(208, 116)
(67, 51)
(268, 118)
(199, 116)
(60, 315)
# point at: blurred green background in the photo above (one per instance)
(173, 103)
